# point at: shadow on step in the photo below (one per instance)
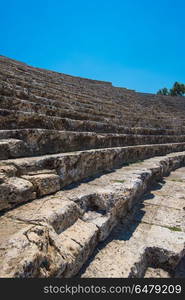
(161, 263)
(89, 179)
(158, 262)
(127, 226)
(158, 185)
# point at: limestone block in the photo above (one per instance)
(57, 211)
(31, 252)
(8, 170)
(78, 241)
(11, 148)
(44, 184)
(105, 223)
(16, 190)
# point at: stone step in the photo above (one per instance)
(143, 104)
(5, 101)
(22, 119)
(43, 89)
(78, 242)
(139, 96)
(43, 141)
(50, 77)
(55, 95)
(68, 168)
(150, 241)
(30, 94)
(124, 131)
(44, 184)
(19, 87)
(115, 92)
(55, 235)
(87, 114)
(64, 104)
(35, 104)
(66, 101)
(57, 210)
(27, 106)
(12, 147)
(133, 112)
(98, 159)
(19, 119)
(14, 190)
(137, 114)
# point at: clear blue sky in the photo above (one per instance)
(138, 44)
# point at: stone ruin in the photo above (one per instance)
(91, 178)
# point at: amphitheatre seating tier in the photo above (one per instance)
(23, 179)
(149, 240)
(88, 114)
(123, 105)
(32, 142)
(76, 156)
(55, 235)
(13, 119)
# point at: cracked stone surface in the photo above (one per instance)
(44, 184)
(15, 189)
(47, 174)
(151, 242)
(56, 234)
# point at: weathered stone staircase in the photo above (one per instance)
(76, 155)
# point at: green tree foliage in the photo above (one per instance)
(178, 89)
(163, 91)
